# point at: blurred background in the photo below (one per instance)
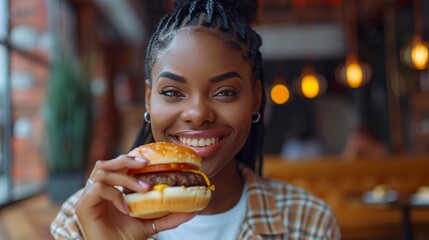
(348, 87)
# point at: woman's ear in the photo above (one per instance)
(257, 95)
(148, 91)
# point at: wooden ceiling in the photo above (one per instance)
(283, 12)
(279, 12)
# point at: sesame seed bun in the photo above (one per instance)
(166, 152)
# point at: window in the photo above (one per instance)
(24, 69)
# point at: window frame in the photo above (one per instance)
(12, 191)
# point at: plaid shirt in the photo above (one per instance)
(275, 210)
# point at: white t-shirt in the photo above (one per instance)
(223, 226)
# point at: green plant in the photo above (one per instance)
(68, 116)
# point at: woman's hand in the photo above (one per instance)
(103, 212)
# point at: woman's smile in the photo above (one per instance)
(201, 142)
(205, 144)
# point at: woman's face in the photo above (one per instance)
(202, 97)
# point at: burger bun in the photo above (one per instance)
(165, 152)
(155, 204)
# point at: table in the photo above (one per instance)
(405, 203)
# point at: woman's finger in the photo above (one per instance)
(168, 222)
(99, 193)
(98, 205)
(119, 179)
(120, 164)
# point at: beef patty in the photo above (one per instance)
(186, 179)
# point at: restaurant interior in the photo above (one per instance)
(347, 114)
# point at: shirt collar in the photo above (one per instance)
(263, 216)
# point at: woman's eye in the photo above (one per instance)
(171, 92)
(226, 93)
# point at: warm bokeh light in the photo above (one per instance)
(280, 94)
(419, 56)
(353, 73)
(416, 54)
(310, 86)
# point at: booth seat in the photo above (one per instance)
(342, 182)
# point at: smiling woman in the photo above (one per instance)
(214, 100)
(204, 91)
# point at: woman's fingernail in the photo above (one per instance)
(139, 159)
(144, 184)
(126, 210)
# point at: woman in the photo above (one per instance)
(204, 81)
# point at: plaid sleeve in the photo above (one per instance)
(307, 215)
(277, 210)
(66, 225)
(324, 222)
(334, 230)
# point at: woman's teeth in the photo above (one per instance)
(194, 142)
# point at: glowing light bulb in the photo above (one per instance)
(353, 73)
(416, 54)
(354, 76)
(280, 94)
(419, 56)
(310, 86)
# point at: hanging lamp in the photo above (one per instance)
(310, 84)
(353, 73)
(416, 54)
(280, 93)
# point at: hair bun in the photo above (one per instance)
(246, 9)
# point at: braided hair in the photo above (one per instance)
(228, 20)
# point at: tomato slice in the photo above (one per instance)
(166, 167)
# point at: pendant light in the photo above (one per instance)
(353, 73)
(416, 54)
(310, 84)
(280, 93)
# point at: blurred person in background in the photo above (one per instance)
(303, 146)
(205, 80)
(363, 142)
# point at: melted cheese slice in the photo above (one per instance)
(210, 186)
(160, 187)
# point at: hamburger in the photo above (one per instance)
(177, 184)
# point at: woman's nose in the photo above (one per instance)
(198, 111)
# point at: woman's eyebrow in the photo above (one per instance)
(215, 79)
(225, 76)
(172, 76)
